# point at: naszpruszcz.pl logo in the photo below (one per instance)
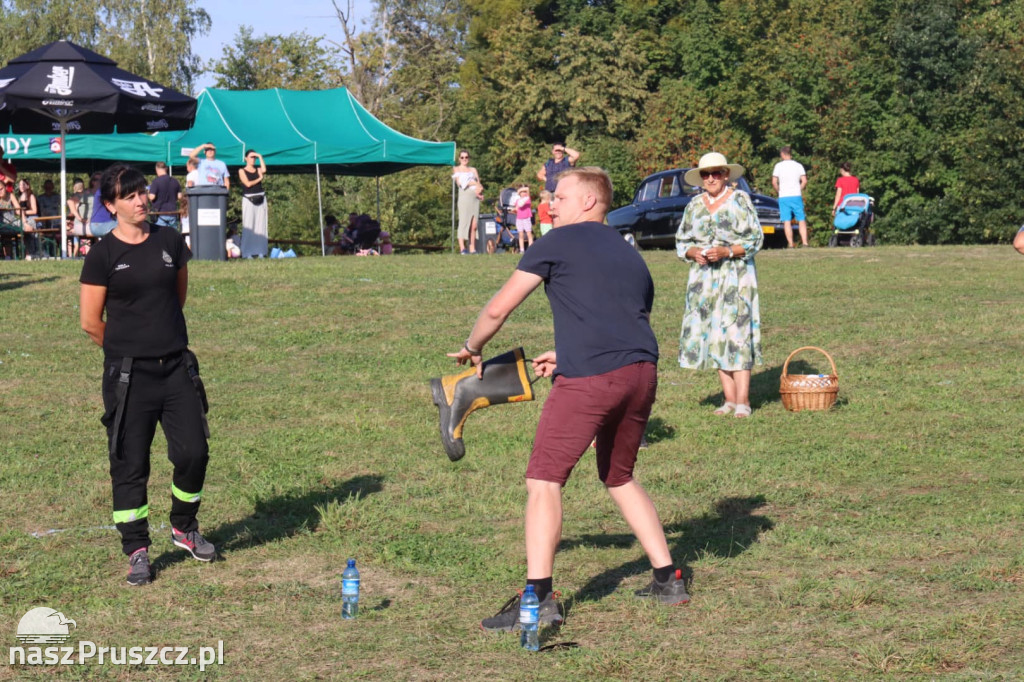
(44, 626)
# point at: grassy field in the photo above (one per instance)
(879, 540)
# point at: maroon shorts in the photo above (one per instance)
(613, 407)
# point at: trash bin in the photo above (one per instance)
(487, 231)
(207, 220)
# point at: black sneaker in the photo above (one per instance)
(507, 619)
(139, 572)
(671, 592)
(196, 545)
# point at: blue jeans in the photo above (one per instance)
(168, 220)
(102, 229)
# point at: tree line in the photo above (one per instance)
(923, 97)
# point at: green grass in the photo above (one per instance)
(878, 540)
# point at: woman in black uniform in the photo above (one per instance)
(138, 275)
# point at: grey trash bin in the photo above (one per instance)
(487, 231)
(207, 221)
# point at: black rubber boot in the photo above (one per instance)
(458, 395)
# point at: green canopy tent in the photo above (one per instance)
(318, 131)
(321, 131)
(85, 153)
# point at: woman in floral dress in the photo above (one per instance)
(718, 236)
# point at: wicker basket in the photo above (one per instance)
(808, 391)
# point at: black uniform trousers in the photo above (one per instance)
(161, 391)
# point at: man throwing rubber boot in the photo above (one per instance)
(605, 379)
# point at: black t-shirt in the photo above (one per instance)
(601, 295)
(144, 317)
(166, 190)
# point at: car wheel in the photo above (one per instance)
(631, 240)
(856, 241)
(833, 241)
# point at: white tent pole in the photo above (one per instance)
(63, 192)
(378, 205)
(452, 240)
(320, 201)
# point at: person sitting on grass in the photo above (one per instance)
(605, 379)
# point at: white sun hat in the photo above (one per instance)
(713, 160)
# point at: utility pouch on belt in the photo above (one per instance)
(121, 392)
(192, 364)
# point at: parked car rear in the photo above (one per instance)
(653, 217)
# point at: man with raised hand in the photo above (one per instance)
(212, 171)
(562, 159)
(605, 380)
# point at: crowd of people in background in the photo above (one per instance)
(23, 214)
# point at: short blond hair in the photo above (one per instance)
(545, 195)
(597, 181)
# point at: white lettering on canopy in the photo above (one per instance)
(137, 88)
(15, 145)
(60, 80)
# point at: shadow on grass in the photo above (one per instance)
(278, 517)
(726, 532)
(6, 285)
(658, 430)
(764, 385)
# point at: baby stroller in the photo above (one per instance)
(853, 221)
(505, 215)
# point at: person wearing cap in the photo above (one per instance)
(211, 170)
(719, 236)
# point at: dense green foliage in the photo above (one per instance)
(925, 99)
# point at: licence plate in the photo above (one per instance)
(768, 229)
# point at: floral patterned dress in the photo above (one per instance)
(722, 322)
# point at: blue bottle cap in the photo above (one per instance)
(351, 563)
(529, 588)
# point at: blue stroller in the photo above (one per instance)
(853, 221)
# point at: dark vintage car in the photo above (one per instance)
(652, 219)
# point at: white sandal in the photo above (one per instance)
(742, 411)
(725, 409)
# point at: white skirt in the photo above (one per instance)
(254, 229)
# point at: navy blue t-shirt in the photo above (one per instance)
(601, 295)
(551, 170)
(144, 316)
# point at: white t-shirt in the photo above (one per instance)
(193, 177)
(789, 173)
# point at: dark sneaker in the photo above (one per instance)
(196, 545)
(139, 572)
(670, 592)
(507, 619)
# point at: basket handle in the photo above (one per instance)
(785, 367)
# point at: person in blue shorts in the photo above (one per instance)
(789, 179)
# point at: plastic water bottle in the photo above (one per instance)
(529, 616)
(350, 591)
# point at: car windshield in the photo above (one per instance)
(673, 185)
(740, 184)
